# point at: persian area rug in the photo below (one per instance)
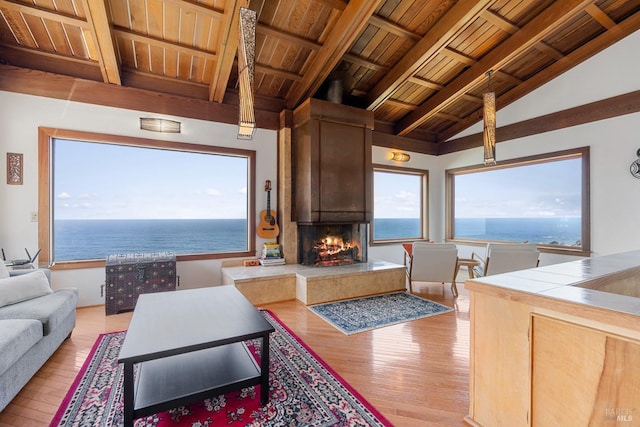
(304, 391)
(364, 314)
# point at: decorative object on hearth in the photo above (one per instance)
(635, 166)
(304, 391)
(489, 119)
(159, 125)
(14, 168)
(246, 70)
(363, 314)
(399, 156)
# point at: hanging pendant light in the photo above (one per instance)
(489, 120)
(246, 69)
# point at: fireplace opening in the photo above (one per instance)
(324, 245)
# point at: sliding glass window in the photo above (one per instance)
(542, 199)
(399, 204)
(109, 197)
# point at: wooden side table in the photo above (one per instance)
(469, 263)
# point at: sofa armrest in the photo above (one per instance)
(20, 272)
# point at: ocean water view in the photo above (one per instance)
(550, 231)
(96, 239)
(557, 231)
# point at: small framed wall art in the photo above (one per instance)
(14, 168)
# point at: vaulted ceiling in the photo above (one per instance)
(420, 65)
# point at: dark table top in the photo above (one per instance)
(169, 323)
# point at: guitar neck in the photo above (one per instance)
(269, 202)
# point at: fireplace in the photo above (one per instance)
(325, 245)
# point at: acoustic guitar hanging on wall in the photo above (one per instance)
(268, 227)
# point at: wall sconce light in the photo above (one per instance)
(489, 119)
(246, 69)
(399, 156)
(159, 125)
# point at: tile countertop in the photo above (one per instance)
(575, 281)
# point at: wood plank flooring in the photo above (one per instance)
(415, 373)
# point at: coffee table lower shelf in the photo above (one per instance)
(181, 379)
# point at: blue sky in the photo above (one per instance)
(543, 190)
(142, 183)
(139, 183)
(396, 195)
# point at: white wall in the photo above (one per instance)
(20, 117)
(615, 193)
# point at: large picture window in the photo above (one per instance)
(399, 204)
(542, 200)
(111, 195)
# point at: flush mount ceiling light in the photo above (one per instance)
(399, 156)
(246, 69)
(489, 119)
(159, 125)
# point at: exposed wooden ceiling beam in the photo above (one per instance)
(336, 4)
(400, 104)
(227, 49)
(274, 32)
(349, 25)
(599, 15)
(180, 48)
(510, 28)
(459, 17)
(260, 68)
(599, 110)
(424, 82)
(526, 37)
(604, 40)
(453, 54)
(44, 13)
(198, 8)
(100, 28)
(97, 28)
(393, 28)
(364, 62)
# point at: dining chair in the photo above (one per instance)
(506, 257)
(433, 263)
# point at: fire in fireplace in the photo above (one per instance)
(325, 245)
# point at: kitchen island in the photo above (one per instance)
(557, 345)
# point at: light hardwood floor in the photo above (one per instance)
(415, 373)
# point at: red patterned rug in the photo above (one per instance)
(304, 391)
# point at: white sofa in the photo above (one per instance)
(34, 321)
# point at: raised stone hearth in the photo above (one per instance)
(314, 285)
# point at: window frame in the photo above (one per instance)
(45, 190)
(582, 153)
(424, 203)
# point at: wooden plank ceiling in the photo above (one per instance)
(420, 65)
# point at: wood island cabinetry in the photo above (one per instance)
(332, 163)
(557, 345)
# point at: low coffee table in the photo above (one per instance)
(189, 346)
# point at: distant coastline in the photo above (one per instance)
(557, 231)
(96, 239)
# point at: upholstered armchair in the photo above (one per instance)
(505, 257)
(433, 263)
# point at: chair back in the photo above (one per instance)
(433, 262)
(505, 257)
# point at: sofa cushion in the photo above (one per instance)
(50, 309)
(20, 288)
(16, 337)
(4, 272)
